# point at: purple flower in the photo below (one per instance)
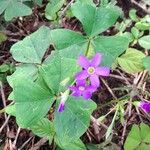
(145, 106)
(82, 89)
(64, 97)
(91, 69)
(61, 106)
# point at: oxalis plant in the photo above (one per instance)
(61, 83)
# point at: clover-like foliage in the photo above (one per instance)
(41, 81)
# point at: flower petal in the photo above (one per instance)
(94, 80)
(73, 88)
(91, 88)
(84, 62)
(82, 75)
(103, 71)
(76, 94)
(87, 94)
(96, 60)
(61, 106)
(80, 83)
(145, 106)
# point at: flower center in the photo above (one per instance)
(91, 70)
(81, 88)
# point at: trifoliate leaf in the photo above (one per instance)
(98, 20)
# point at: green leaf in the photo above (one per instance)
(104, 3)
(3, 5)
(39, 2)
(11, 110)
(93, 147)
(131, 61)
(146, 18)
(98, 20)
(106, 145)
(74, 120)
(111, 47)
(22, 71)
(146, 62)
(61, 65)
(142, 25)
(44, 128)
(32, 48)
(138, 138)
(3, 37)
(2, 78)
(145, 132)
(133, 139)
(52, 8)
(91, 52)
(4, 68)
(89, 2)
(143, 146)
(145, 42)
(77, 145)
(32, 101)
(135, 32)
(133, 16)
(14, 8)
(63, 38)
(129, 36)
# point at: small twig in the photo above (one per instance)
(124, 131)
(137, 78)
(142, 79)
(25, 143)
(5, 123)
(117, 77)
(13, 40)
(114, 101)
(10, 145)
(109, 89)
(4, 103)
(65, 9)
(98, 3)
(39, 144)
(130, 107)
(2, 94)
(15, 141)
(88, 135)
(127, 82)
(98, 123)
(101, 124)
(141, 6)
(133, 92)
(148, 116)
(91, 134)
(125, 125)
(95, 127)
(139, 115)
